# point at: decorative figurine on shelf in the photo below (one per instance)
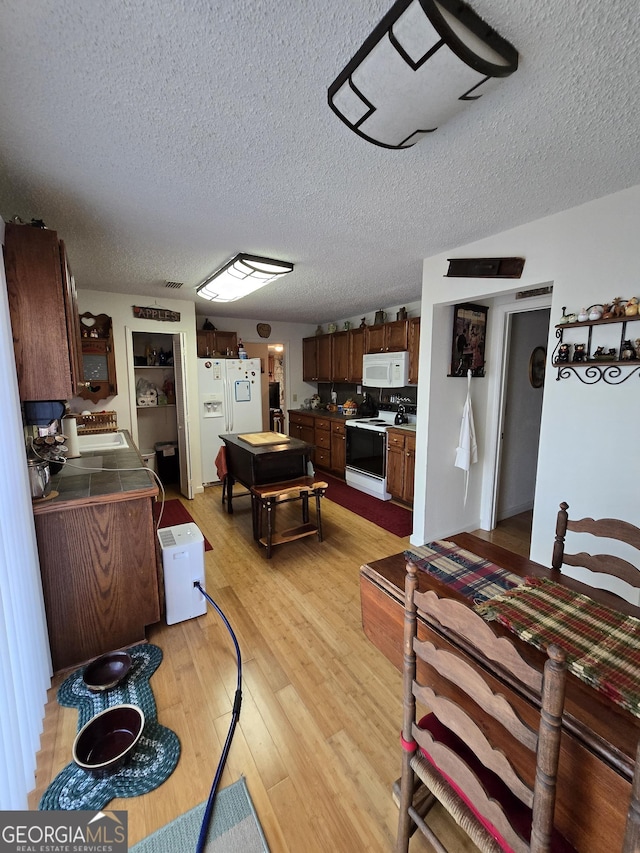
(347, 325)
(332, 328)
(631, 308)
(579, 352)
(637, 342)
(583, 316)
(363, 324)
(319, 330)
(617, 307)
(208, 325)
(563, 354)
(595, 312)
(627, 352)
(564, 319)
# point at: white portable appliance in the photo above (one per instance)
(182, 549)
(230, 402)
(385, 370)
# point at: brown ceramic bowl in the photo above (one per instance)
(108, 740)
(106, 671)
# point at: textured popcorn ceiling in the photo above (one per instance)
(161, 137)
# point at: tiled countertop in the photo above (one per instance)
(109, 474)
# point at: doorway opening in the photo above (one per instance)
(518, 422)
(277, 388)
(156, 367)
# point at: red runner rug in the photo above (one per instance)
(174, 513)
(396, 519)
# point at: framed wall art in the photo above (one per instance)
(537, 363)
(469, 340)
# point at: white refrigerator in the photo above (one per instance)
(230, 392)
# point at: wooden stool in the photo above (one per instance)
(267, 497)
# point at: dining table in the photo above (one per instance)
(601, 727)
(259, 459)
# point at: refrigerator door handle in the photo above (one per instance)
(229, 406)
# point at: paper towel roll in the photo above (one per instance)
(70, 431)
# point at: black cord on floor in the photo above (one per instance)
(237, 702)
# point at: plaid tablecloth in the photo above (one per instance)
(475, 578)
(602, 645)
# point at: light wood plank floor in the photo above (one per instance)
(318, 734)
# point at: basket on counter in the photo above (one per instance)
(97, 422)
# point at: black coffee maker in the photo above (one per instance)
(401, 417)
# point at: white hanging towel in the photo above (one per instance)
(467, 450)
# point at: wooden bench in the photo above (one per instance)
(266, 498)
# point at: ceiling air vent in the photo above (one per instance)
(176, 285)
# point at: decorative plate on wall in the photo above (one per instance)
(537, 363)
(264, 330)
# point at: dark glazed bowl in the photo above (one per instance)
(106, 671)
(108, 740)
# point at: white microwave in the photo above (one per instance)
(385, 370)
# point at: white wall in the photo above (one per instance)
(588, 454)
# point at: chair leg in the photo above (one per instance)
(405, 824)
(256, 516)
(271, 522)
(318, 515)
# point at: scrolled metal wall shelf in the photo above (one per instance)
(590, 371)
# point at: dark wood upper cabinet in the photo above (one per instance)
(388, 337)
(340, 357)
(414, 349)
(44, 314)
(356, 351)
(316, 358)
(213, 343)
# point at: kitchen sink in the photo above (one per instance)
(99, 442)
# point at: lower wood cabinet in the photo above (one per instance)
(401, 451)
(302, 426)
(328, 435)
(338, 447)
(100, 576)
(322, 441)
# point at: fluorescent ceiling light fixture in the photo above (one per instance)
(424, 61)
(241, 276)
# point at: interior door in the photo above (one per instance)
(182, 412)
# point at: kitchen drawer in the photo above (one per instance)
(338, 428)
(323, 423)
(395, 439)
(301, 420)
(323, 438)
(322, 457)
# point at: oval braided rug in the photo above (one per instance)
(154, 758)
